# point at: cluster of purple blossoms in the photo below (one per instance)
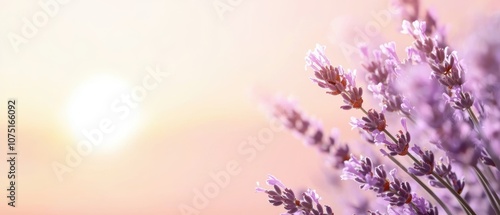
(335, 80)
(281, 195)
(382, 70)
(394, 191)
(454, 143)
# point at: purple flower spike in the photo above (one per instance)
(445, 171)
(353, 98)
(361, 171)
(331, 78)
(374, 121)
(334, 79)
(281, 195)
(403, 142)
(401, 191)
(426, 165)
(317, 59)
(416, 29)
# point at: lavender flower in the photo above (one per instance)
(400, 191)
(400, 147)
(426, 164)
(361, 171)
(442, 110)
(445, 171)
(311, 132)
(374, 121)
(395, 192)
(382, 71)
(281, 195)
(445, 65)
(334, 79)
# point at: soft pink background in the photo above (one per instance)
(193, 123)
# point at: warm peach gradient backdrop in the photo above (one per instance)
(194, 121)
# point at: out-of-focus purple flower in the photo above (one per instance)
(382, 72)
(414, 56)
(281, 195)
(416, 29)
(483, 60)
(389, 49)
(311, 132)
(460, 142)
(407, 9)
(337, 157)
(410, 9)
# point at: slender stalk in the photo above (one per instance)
(390, 136)
(462, 201)
(479, 130)
(422, 184)
(364, 111)
(492, 196)
(414, 206)
(410, 118)
(487, 171)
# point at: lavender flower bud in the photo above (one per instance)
(281, 195)
(445, 171)
(334, 79)
(374, 121)
(400, 191)
(403, 142)
(425, 165)
(353, 98)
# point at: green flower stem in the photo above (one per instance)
(422, 184)
(462, 201)
(492, 196)
(486, 143)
